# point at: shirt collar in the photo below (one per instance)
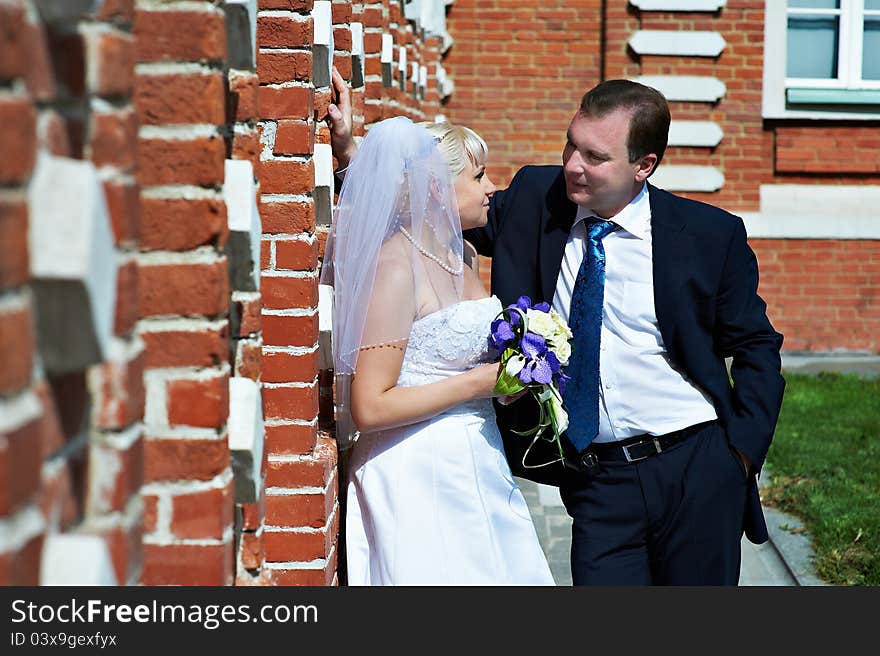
(635, 218)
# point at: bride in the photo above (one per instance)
(430, 497)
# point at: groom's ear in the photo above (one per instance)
(645, 166)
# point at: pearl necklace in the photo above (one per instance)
(430, 256)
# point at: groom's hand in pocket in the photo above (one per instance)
(747, 464)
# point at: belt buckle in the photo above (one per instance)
(629, 458)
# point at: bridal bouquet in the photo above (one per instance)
(534, 344)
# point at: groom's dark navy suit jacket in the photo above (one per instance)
(705, 297)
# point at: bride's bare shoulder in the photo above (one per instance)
(394, 265)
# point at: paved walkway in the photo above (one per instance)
(761, 564)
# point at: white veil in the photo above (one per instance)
(394, 253)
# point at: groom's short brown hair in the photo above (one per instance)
(649, 121)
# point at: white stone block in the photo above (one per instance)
(678, 5)
(670, 42)
(695, 133)
(72, 263)
(70, 559)
(322, 16)
(793, 211)
(387, 55)
(323, 160)
(357, 39)
(322, 43)
(241, 32)
(687, 178)
(412, 10)
(246, 437)
(20, 528)
(245, 226)
(325, 327)
(689, 88)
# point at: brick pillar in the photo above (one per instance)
(71, 434)
(301, 512)
(22, 525)
(184, 292)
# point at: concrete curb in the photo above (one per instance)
(795, 549)
(791, 543)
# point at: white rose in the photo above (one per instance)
(562, 349)
(541, 323)
(561, 327)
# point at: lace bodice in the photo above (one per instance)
(449, 341)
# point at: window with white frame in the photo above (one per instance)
(822, 58)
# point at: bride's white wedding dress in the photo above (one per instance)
(434, 503)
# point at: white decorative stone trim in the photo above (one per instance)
(669, 42)
(695, 133)
(322, 43)
(18, 411)
(387, 55)
(246, 437)
(70, 559)
(444, 83)
(245, 227)
(322, 15)
(325, 327)
(688, 178)
(18, 529)
(323, 160)
(689, 88)
(678, 5)
(387, 60)
(816, 212)
(73, 263)
(357, 55)
(800, 226)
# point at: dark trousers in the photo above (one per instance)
(675, 518)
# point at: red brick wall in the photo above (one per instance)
(522, 107)
(822, 294)
(150, 469)
(68, 90)
(520, 70)
(828, 150)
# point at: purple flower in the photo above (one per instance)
(536, 371)
(533, 345)
(523, 303)
(542, 307)
(501, 335)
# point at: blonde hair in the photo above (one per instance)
(458, 145)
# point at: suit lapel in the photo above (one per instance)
(557, 218)
(670, 247)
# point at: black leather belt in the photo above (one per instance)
(634, 449)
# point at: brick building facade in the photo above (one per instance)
(798, 159)
(165, 194)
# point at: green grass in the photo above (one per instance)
(824, 467)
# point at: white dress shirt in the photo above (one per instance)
(639, 390)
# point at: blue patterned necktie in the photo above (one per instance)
(585, 321)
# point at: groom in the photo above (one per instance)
(663, 448)
(660, 479)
